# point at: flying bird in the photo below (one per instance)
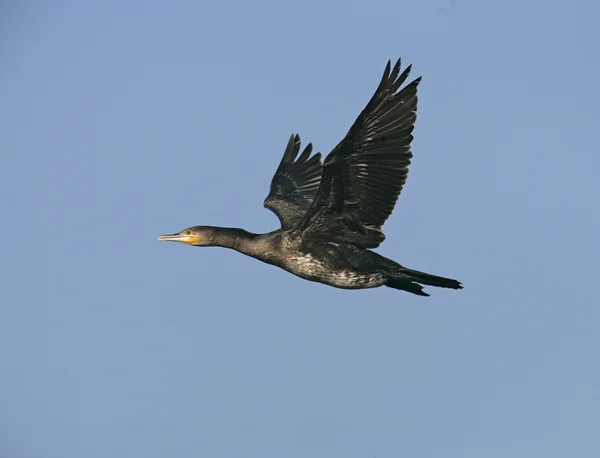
(331, 212)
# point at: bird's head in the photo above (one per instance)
(196, 236)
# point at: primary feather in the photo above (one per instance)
(364, 174)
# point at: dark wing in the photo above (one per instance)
(365, 172)
(294, 184)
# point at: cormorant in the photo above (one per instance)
(331, 213)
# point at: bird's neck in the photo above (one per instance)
(240, 240)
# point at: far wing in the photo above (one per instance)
(364, 174)
(294, 184)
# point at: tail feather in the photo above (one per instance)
(408, 280)
(431, 280)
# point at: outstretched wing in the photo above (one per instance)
(365, 172)
(294, 184)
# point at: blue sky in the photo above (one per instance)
(120, 121)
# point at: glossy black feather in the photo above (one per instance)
(294, 184)
(364, 174)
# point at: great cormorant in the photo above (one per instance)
(331, 213)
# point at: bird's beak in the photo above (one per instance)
(181, 238)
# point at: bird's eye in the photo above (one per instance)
(188, 232)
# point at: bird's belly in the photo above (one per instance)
(310, 268)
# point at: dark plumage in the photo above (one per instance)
(331, 213)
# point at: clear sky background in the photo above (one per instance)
(120, 121)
